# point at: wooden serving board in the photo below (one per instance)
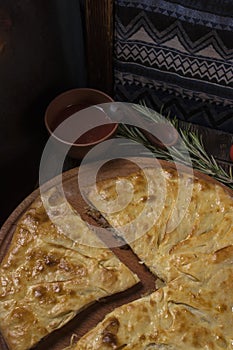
(88, 318)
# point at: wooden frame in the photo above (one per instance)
(99, 41)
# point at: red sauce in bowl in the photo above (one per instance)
(91, 136)
(95, 134)
(67, 112)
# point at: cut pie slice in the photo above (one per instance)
(182, 315)
(191, 250)
(53, 270)
(182, 217)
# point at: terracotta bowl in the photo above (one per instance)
(69, 104)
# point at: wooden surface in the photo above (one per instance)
(216, 142)
(91, 316)
(99, 41)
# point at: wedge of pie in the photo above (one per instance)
(189, 245)
(167, 231)
(53, 270)
(183, 315)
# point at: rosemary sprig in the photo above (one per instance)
(191, 140)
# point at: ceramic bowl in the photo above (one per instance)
(69, 104)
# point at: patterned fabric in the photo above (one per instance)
(177, 54)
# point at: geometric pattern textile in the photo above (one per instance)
(176, 55)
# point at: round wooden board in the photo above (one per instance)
(88, 318)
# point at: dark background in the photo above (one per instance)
(47, 47)
(42, 54)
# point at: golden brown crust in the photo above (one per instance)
(46, 277)
(193, 256)
(168, 244)
(159, 321)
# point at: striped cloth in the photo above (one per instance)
(176, 55)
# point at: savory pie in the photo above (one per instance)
(51, 272)
(179, 225)
(189, 245)
(183, 315)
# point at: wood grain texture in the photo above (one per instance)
(95, 313)
(99, 38)
(217, 143)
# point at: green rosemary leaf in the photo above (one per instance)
(191, 140)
